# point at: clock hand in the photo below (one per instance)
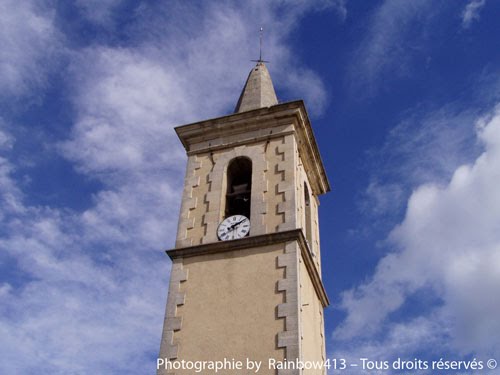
(229, 229)
(235, 225)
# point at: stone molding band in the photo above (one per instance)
(256, 241)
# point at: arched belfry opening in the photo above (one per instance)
(239, 187)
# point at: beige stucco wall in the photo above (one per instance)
(191, 228)
(301, 178)
(273, 206)
(315, 231)
(311, 321)
(230, 306)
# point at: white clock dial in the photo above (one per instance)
(233, 227)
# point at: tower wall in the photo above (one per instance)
(230, 306)
(273, 201)
(301, 178)
(311, 320)
(259, 297)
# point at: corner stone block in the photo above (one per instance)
(286, 309)
(173, 324)
(287, 338)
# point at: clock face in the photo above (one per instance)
(233, 227)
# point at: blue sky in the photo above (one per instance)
(404, 97)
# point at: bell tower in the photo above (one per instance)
(245, 282)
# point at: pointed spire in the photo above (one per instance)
(258, 91)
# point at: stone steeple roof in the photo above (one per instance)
(258, 91)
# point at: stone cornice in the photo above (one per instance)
(259, 241)
(256, 125)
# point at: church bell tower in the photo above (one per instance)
(245, 282)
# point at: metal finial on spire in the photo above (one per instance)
(260, 45)
(261, 32)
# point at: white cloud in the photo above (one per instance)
(429, 148)
(341, 8)
(449, 244)
(98, 11)
(5, 138)
(127, 106)
(97, 278)
(471, 12)
(400, 341)
(30, 46)
(387, 49)
(87, 288)
(381, 198)
(311, 88)
(425, 147)
(10, 194)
